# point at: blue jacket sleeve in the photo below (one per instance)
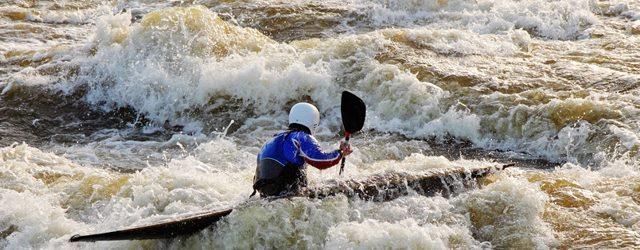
(309, 149)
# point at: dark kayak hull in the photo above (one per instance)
(170, 229)
(381, 187)
(391, 185)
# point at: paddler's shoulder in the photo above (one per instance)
(299, 135)
(305, 138)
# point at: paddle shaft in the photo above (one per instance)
(344, 158)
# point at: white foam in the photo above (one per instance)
(60, 16)
(549, 19)
(337, 223)
(622, 209)
(608, 191)
(406, 234)
(509, 214)
(37, 219)
(166, 80)
(30, 205)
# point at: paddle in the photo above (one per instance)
(353, 112)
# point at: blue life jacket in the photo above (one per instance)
(280, 164)
(295, 148)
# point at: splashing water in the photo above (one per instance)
(123, 113)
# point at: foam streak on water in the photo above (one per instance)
(123, 113)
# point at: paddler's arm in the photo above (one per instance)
(311, 152)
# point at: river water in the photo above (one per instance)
(120, 113)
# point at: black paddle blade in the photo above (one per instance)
(353, 112)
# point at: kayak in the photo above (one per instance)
(380, 187)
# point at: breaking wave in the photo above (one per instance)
(186, 66)
(134, 113)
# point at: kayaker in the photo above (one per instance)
(281, 162)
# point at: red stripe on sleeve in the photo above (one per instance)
(322, 164)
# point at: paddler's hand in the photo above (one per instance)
(345, 148)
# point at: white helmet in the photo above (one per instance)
(305, 114)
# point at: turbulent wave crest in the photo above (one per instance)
(548, 19)
(160, 68)
(186, 66)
